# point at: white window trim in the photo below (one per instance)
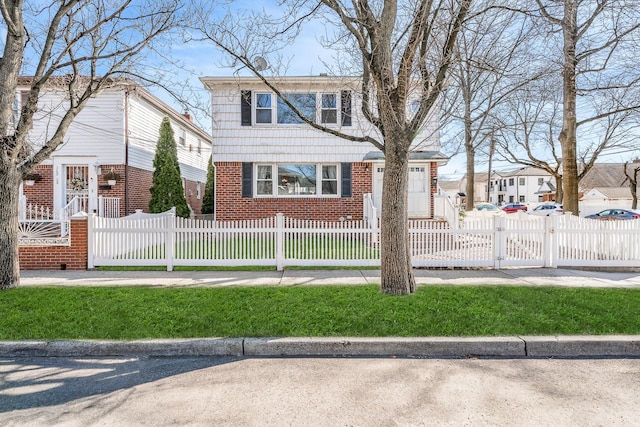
(274, 183)
(274, 109)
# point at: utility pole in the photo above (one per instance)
(492, 146)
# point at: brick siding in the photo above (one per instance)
(72, 257)
(230, 205)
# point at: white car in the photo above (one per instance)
(547, 209)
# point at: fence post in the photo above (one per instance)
(169, 239)
(499, 240)
(279, 241)
(554, 249)
(101, 206)
(90, 237)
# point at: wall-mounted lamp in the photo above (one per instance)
(366, 168)
(434, 181)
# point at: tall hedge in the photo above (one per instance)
(167, 190)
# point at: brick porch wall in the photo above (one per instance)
(72, 257)
(230, 205)
(41, 193)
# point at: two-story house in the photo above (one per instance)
(524, 185)
(114, 136)
(268, 160)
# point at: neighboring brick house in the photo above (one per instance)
(117, 131)
(268, 161)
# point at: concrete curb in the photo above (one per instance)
(504, 347)
(386, 347)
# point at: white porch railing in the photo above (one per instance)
(370, 212)
(490, 241)
(444, 208)
(108, 207)
(42, 226)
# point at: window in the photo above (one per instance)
(540, 181)
(345, 104)
(330, 180)
(511, 182)
(198, 191)
(264, 180)
(182, 136)
(260, 108)
(329, 111)
(521, 199)
(521, 181)
(510, 199)
(300, 180)
(263, 108)
(305, 103)
(296, 180)
(199, 146)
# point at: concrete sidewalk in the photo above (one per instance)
(451, 347)
(515, 276)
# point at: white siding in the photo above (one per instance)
(291, 143)
(144, 131)
(98, 130)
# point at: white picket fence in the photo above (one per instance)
(492, 241)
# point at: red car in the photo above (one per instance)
(514, 207)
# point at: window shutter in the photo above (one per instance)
(346, 179)
(247, 179)
(245, 107)
(345, 101)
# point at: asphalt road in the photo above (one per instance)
(318, 392)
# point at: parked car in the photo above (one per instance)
(514, 207)
(486, 207)
(612, 214)
(547, 209)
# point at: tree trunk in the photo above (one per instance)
(471, 182)
(567, 136)
(559, 193)
(395, 257)
(9, 261)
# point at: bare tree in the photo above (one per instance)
(632, 176)
(528, 130)
(75, 47)
(597, 41)
(491, 63)
(403, 51)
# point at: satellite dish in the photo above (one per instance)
(260, 63)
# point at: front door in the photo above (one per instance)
(75, 178)
(419, 191)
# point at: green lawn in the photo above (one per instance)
(311, 247)
(141, 312)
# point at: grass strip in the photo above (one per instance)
(49, 313)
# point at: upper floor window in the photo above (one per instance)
(182, 136)
(305, 103)
(263, 108)
(199, 146)
(329, 111)
(326, 108)
(521, 181)
(540, 181)
(511, 181)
